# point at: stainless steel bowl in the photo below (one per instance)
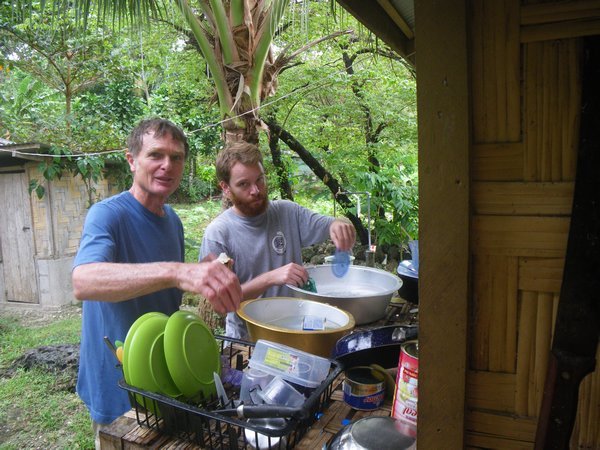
(365, 292)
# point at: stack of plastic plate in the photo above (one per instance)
(174, 356)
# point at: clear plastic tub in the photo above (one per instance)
(278, 392)
(253, 381)
(289, 363)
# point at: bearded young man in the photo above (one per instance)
(264, 238)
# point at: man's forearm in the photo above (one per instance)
(115, 282)
(256, 286)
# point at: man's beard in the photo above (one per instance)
(251, 209)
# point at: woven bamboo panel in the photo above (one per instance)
(495, 71)
(541, 274)
(491, 391)
(523, 161)
(502, 426)
(487, 442)
(498, 161)
(520, 236)
(552, 87)
(494, 319)
(522, 199)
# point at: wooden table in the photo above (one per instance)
(125, 432)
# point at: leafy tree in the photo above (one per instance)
(66, 60)
(346, 101)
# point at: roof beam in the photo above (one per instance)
(373, 16)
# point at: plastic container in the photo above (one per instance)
(253, 382)
(279, 392)
(289, 363)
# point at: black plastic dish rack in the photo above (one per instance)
(204, 425)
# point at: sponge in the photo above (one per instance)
(310, 285)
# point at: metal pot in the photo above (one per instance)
(410, 284)
(380, 345)
(375, 433)
(365, 292)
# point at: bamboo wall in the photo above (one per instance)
(525, 87)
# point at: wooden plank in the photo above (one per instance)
(477, 66)
(494, 316)
(484, 441)
(541, 274)
(551, 113)
(572, 62)
(522, 198)
(525, 346)
(491, 391)
(397, 18)
(586, 433)
(498, 162)
(532, 14)
(543, 337)
(520, 236)
(481, 314)
(110, 437)
(510, 426)
(498, 320)
(444, 139)
(531, 63)
(560, 30)
(17, 240)
(503, 297)
(496, 86)
(511, 43)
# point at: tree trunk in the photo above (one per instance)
(285, 188)
(323, 174)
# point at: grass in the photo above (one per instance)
(35, 409)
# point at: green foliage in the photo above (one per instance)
(352, 106)
(89, 167)
(195, 218)
(354, 109)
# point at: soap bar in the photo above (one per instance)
(313, 323)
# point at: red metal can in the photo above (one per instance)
(407, 388)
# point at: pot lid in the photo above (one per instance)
(407, 268)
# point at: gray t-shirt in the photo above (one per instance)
(263, 243)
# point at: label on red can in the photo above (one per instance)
(407, 388)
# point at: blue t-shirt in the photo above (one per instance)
(119, 229)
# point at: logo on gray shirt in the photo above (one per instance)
(279, 243)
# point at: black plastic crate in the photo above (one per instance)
(202, 424)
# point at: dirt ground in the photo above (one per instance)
(35, 315)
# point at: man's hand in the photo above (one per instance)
(343, 234)
(214, 281)
(291, 273)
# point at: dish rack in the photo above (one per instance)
(205, 426)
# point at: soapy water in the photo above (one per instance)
(356, 291)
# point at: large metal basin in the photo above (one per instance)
(280, 319)
(365, 292)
